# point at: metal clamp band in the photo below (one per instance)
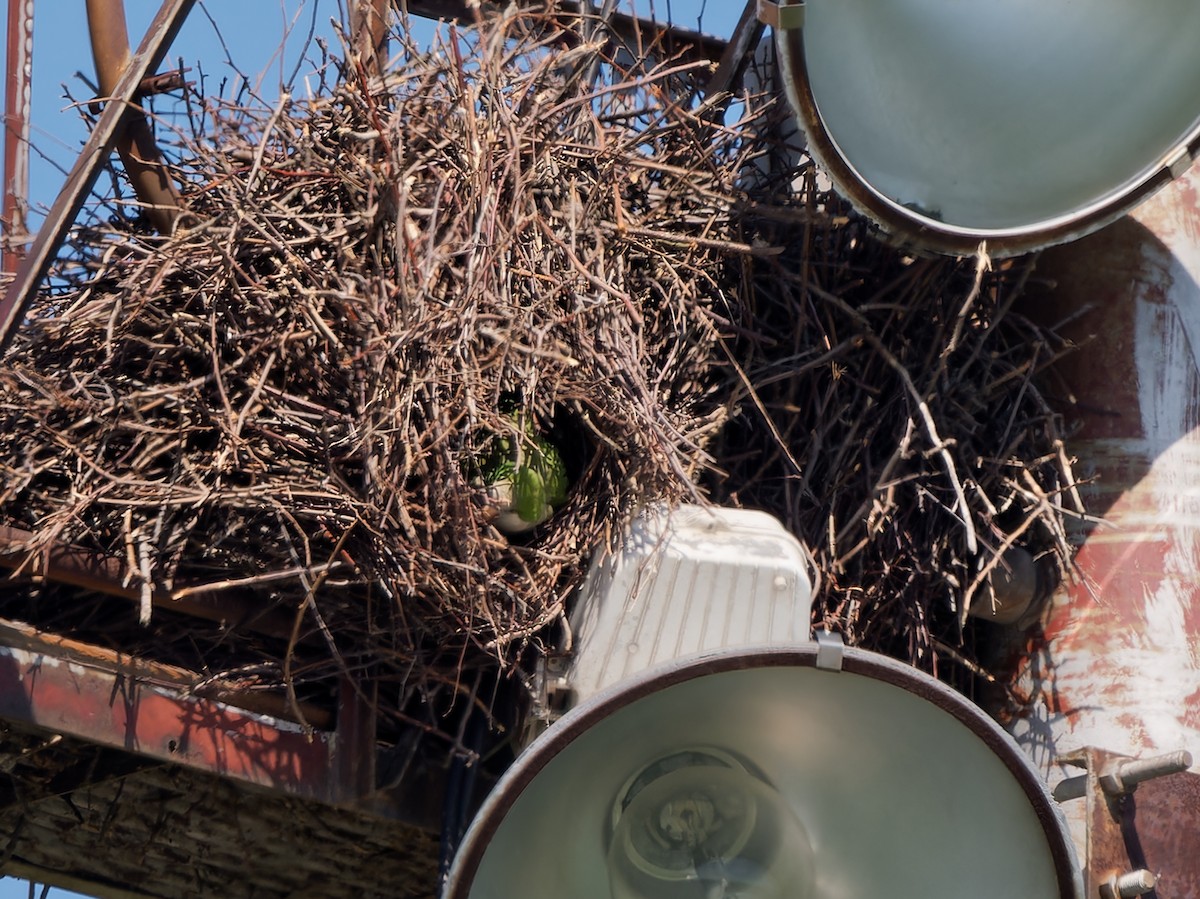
(781, 16)
(829, 651)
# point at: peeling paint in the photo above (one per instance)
(1122, 646)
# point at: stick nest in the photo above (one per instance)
(285, 402)
(288, 399)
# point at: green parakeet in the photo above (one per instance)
(525, 479)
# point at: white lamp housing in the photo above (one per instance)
(715, 751)
(688, 580)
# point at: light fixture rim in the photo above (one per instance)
(925, 235)
(856, 662)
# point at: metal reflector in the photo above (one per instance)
(1023, 123)
(756, 773)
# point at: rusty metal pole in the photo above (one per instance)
(135, 142)
(369, 32)
(1116, 668)
(17, 99)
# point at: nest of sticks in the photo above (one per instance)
(892, 414)
(285, 402)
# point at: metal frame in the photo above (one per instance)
(155, 712)
(1143, 821)
(108, 708)
(87, 167)
(17, 98)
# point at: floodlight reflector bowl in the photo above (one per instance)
(1024, 123)
(902, 787)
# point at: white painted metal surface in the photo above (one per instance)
(1119, 667)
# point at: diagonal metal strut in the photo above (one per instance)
(87, 167)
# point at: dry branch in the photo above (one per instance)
(289, 397)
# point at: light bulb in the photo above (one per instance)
(696, 824)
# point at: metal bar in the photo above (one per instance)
(690, 45)
(357, 726)
(109, 709)
(80, 567)
(369, 32)
(738, 52)
(134, 142)
(17, 98)
(87, 167)
(23, 636)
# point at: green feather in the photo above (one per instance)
(529, 495)
(537, 484)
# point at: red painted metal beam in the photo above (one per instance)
(84, 697)
(17, 95)
(22, 636)
(110, 709)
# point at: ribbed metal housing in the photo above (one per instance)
(685, 581)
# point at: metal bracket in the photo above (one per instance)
(550, 695)
(1136, 811)
(1180, 163)
(830, 651)
(781, 16)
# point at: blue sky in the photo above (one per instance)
(252, 30)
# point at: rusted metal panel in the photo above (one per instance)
(1154, 827)
(1167, 817)
(1116, 664)
(109, 709)
(17, 98)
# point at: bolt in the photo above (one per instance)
(1123, 777)
(1129, 885)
